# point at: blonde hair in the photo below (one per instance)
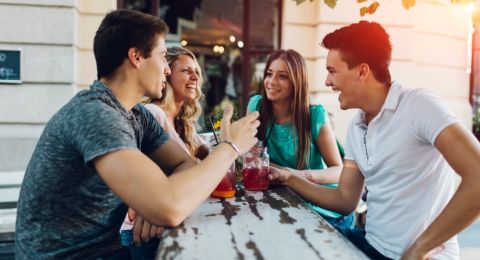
(299, 107)
(184, 122)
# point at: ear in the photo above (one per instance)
(135, 57)
(363, 71)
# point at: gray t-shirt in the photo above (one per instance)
(65, 209)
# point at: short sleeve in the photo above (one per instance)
(95, 128)
(348, 143)
(430, 115)
(254, 103)
(154, 134)
(318, 116)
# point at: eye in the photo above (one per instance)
(283, 76)
(268, 74)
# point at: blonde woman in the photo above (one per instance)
(176, 111)
(179, 108)
(298, 135)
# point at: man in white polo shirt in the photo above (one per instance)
(405, 146)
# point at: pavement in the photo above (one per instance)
(469, 241)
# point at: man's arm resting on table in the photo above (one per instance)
(462, 151)
(163, 200)
(343, 199)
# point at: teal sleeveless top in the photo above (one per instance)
(284, 139)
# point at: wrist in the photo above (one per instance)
(233, 146)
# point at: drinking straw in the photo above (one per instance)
(214, 133)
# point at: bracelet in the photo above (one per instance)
(234, 147)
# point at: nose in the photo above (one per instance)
(328, 82)
(194, 76)
(167, 70)
(273, 79)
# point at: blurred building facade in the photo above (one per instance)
(431, 50)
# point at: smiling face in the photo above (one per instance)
(342, 79)
(185, 79)
(277, 83)
(153, 70)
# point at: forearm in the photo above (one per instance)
(462, 210)
(194, 184)
(325, 176)
(325, 197)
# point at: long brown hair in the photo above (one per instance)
(299, 106)
(184, 122)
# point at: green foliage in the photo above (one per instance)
(371, 6)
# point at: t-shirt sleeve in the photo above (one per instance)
(318, 115)
(94, 129)
(154, 134)
(348, 144)
(430, 116)
(254, 103)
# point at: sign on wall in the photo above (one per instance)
(10, 66)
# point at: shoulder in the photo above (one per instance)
(90, 109)
(317, 113)
(317, 109)
(157, 112)
(152, 108)
(254, 103)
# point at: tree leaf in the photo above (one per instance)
(408, 3)
(330, 3)
(299, 2)
(363, 11)
(373, 7)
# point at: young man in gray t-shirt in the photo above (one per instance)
(103, 152)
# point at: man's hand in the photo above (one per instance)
(143, 230)
(242, 132)
(279, 175)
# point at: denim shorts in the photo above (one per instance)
(146, 250)
(357, 237)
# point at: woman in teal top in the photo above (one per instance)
(298, 136)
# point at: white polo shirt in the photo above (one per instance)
(409, 182)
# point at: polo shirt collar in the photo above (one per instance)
(391, 103)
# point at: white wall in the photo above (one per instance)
(56, 38)
(430, 43)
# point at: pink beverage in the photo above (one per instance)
(256, 179)
(226, 187)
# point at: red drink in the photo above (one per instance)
(226, 187)
(256, 178)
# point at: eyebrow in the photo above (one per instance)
(282, 71)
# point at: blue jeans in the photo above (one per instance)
(357, 237)
(146, 250)
(341, 222)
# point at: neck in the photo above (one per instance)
(122, 88)
(376, 95)
(281, 111)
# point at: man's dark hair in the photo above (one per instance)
(121, 30)
(363, 42)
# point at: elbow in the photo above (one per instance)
(174, 221)
(346, 212)
(169, 217)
